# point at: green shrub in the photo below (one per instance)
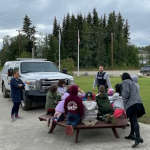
(68, 64)
(25, 54)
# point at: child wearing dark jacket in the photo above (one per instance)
(103, 103)
(73, 109)
(17, 86)
(52, 99)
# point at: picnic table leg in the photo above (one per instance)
(77, 135)
(115, 132)
(52, 127)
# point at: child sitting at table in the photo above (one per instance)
(110, 93)
(52, 99)
(103, 103)
(117, 103)
(59, 110)
(73, 109)
(61, 87)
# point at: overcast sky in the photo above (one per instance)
(42, 13)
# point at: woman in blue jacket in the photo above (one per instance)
(16, 85)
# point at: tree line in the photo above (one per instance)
(97, 35)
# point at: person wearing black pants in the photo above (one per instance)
(133, 106)
(15, 109)
(16, 85)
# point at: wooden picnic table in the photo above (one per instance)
(119, 123)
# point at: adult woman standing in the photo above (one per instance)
(133, 106)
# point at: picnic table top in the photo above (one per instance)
(118, 123)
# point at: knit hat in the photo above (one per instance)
(110, 92)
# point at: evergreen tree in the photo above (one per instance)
(55, 28)
(29, 31)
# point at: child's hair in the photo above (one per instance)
(14, 71)
(61, 83)
(89, 94)
(53, 88)
(118, 88)
(126, 76)
(102, 89)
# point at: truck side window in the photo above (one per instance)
(5, 70)
(16, 66)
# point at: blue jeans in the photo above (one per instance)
(73, 119)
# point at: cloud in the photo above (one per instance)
(42, 13)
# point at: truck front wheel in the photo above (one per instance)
(26, 103)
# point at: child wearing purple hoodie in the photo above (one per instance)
(59, 110)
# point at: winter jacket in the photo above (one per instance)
(104, 106)
(117, 101)
(60, 105)
(130, 93)
(52, 100)
(16, 91)
(73, 104)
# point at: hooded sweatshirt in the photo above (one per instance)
(135, 79)
(60, 105)
(73, 103)
(130, 93)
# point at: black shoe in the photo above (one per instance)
(130, 137)
(141, 140)
(137, 142)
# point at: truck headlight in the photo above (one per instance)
(30, 84)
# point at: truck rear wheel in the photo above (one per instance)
(27, 102)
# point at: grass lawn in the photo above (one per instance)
(86, 83)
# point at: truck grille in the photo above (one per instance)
(46, 83)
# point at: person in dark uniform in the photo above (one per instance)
(102, 78)
(16, 85)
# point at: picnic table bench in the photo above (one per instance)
(119, 123)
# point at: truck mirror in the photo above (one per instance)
(10, 72)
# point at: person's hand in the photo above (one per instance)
(20, 85)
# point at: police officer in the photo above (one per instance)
(102, 78)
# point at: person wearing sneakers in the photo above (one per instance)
(73, 107)
(17, 86)
(133, 106)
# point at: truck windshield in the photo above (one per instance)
(27, 67)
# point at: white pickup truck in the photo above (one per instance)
(37, 74)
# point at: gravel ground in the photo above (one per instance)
(29, 133)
